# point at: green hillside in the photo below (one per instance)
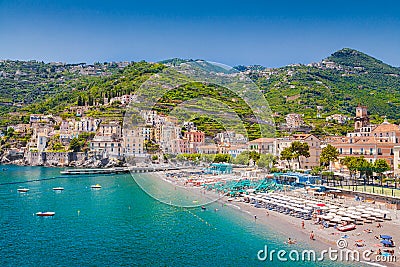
(335, 85)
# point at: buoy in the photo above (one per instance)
(79, 212)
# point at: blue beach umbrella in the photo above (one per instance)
(386, 242)
(388, 237)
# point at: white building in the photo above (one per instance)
(133, 142)
(87, 125)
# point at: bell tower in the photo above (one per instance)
(362, 118)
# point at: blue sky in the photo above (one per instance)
(269, 33)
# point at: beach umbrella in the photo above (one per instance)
(351, 208)
(334, 207)
(386, 242)
(360, 206)
(369, 208)
(365, 215)
(341, 213)
(321, 205)
(384, 211)
(355, 217)
(346, 219)
(388, 237)
(336, 219)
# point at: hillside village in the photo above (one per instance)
(59, 114)
(89, 142)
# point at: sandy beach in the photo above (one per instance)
(365, 237)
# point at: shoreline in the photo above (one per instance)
(325, 238)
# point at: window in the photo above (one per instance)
(379, 151)
(351, 151)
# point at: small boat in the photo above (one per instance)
(58, 188)
(97, 186)
(23, 190)
(45, 214)
(203, 208)
(346, 228)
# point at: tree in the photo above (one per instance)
(362, 166)
(222, 158)
(300, 149)
(329, 154)
(287, 155)
(75, 145)
(380, 166)
(265, 161)
(242, 158)
(349, 162)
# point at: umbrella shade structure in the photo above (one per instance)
(384, 211)
(387, 237)
(336, 219)
(321, 204)
(386, 242)
(355, 217)
(347, 219)
(365, 215)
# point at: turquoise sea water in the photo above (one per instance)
(119, 225)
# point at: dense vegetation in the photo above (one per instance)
(318, 90)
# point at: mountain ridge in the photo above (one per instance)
(336, 84)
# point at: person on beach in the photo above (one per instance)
(267, 213)
(255, 218)
(312, 235)
(302, 224)
(290, 241)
